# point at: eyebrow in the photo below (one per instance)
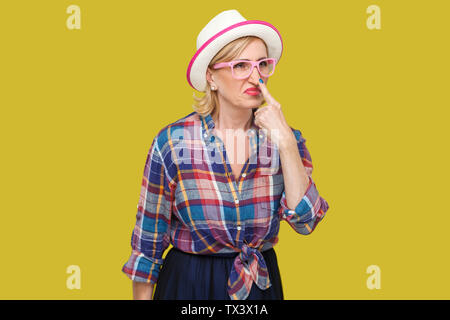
(256, 60)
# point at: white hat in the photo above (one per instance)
(222, 29)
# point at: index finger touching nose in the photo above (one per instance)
(269, 99)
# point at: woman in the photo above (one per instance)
(213, 184)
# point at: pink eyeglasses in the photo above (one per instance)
(241, 69)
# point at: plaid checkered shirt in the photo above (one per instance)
(190, 199)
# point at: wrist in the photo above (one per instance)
(287, 141)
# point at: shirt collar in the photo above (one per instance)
(209, 122)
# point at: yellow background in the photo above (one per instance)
(79, 109)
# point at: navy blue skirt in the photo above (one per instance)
(187, 276)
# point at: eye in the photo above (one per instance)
(239, 65)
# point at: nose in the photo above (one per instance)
(254, 76)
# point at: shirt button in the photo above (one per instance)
(260, 135)
(243, 175)
(205, 134)
(236, 201)
(239, 227)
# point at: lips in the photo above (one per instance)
(252, 90)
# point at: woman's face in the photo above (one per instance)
(232, 91)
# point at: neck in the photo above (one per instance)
(232, 118)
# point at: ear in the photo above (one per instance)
(208, 75)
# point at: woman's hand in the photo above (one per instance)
(271, 119)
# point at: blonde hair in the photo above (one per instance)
(209, 102)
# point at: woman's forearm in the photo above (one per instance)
(142, 290)
(296, 181)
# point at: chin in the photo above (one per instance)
(250, 103)
(251, 106)
(255, 102)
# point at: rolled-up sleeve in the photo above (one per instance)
(151, 234)
(312, 208)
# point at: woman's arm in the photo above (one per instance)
(142, 290)
(297, 181)
(151, 232)
(300, 204)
